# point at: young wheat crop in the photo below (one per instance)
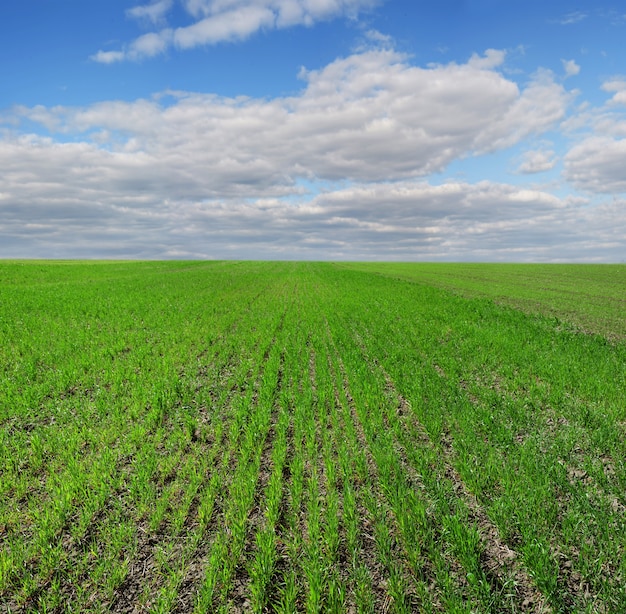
(312, 437)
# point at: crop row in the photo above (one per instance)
(297, 437)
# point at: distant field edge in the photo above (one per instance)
(590, 297)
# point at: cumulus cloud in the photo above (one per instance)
(608, 120)
(402, 221)
(108, 57)
(492, 58)
(617, 85)
(571, 68)
(218, 21)
(597, 165)
(538, 107)
(238, 23)
(537, 161)
(153, 13)
(199, 175)
(596, 161)
(368, 117)
(378, 38)
(149, 45)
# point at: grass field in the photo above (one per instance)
(312, 437)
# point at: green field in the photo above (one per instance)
(312, 437)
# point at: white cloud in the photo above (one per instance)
(227, 20)
(370, 116)
(492, 59)
(619, 97)
(572, 18)
(228, 25)
(404, 221)
(108, 57)
(540, 106)
(537, 161)
(596, 161)
(153, 13)
(149, 45)
(597, 165)
(374, 37)
(208, 176)
(571, 68)
(617, 85)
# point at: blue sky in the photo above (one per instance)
(490, 130)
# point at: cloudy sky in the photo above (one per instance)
(488, 130)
